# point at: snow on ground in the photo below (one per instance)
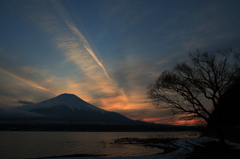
(182, 147)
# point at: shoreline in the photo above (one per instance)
(180, 149)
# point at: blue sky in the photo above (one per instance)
(105, 51)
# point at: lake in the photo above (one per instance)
(27, 144)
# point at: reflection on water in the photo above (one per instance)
(43, 144)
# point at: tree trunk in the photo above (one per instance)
(221, 136)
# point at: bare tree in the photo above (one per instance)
(190, 86)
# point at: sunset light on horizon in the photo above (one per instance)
(106, 52)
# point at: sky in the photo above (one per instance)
(105, 51)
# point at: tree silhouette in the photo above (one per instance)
(195, 88)
(230, 105)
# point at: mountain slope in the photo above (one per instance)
(70, 100)
(69, 107)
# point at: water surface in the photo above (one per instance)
(17, 144)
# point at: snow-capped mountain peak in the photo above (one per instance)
(70, 100)
(69, 107)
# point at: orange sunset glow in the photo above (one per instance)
(105, 52)
(119, 79)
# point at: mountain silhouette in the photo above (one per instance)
(69, 107)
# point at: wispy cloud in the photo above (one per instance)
(25, 102)
(67, 19)
(31, 83)
(57, 22)
(108, 53)
(15, 86)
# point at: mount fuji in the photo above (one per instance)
(69, 107)
(70, 100)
